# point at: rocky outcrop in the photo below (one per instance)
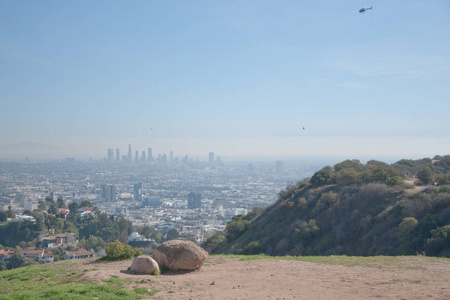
(144, 265)
(180, 255)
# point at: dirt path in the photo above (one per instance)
(231, 278)
(416, 188)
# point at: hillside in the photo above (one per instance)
(227, 277)
(351, 209)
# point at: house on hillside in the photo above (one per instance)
(81, 254)
(86, 212)
(63, 240)
(37, 255)
(63, 211)
(136, 237)
(48, 257)
(24, 218)
(5, 255)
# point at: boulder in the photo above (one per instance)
(144, 265)
(180, 255)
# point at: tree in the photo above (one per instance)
(151, 233)
(60, 203)
(109, 234)
(10, 213)
(70, 227)
(172, 234)
(322, 177)
(405, 234)
(55, 223)
(49, 200)
(73, 208)
(439, 241)
(93, 242)
(213, 242)
(353, 164)
(236, 227)
(425, 175)
(53, 209)
(85, 203)
(3, 216)
(41, 205)
(16, 260)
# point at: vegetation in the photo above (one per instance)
(341, 260)
(60, 282)
(117, 250)
(350, 209)
(93, 232)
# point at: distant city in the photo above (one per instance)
(197, 198)
(144, 156)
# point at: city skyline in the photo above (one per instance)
(243, 79)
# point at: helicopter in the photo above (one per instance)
(364, 9)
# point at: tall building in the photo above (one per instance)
(129, 153)
(138, 192)
(279, 166)
(211, 157)
(108, 192)
(143, 156)
(171, 155)
(194, 200)
(136, 157)
(150, 154)
(110, 154)
(117, 155)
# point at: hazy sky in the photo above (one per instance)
(233, 77)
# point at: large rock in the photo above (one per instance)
(180, 255)
(144, 265)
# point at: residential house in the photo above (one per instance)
(63, 211)
(5, 255)
(86, 212)
(37, 255)
(63, 240)
(78, 254)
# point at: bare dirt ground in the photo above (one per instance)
(415, 188)
(231, 278)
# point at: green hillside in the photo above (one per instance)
(351, 209)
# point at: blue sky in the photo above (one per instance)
(238, 78)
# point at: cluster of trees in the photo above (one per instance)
(354, 172)
(93, 232)
(15, 261)
(350, 209)
(4, 215)
(426, 170)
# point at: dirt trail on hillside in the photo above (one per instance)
(231, 278)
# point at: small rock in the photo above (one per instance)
(147, 280)
(144, 265)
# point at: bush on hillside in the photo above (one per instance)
(117, 250)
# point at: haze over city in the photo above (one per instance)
(238, 78)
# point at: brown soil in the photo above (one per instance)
(231, 278)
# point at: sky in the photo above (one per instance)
(238, 78)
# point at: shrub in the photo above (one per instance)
(117, 250)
